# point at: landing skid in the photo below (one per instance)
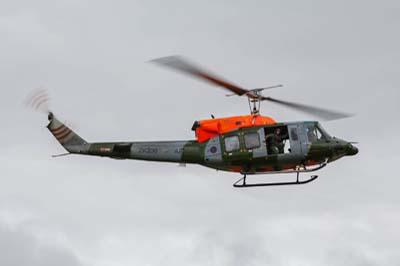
(242, 181)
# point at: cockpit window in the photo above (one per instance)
(316, 132)
(323, 131)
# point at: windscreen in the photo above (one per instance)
(315, 132)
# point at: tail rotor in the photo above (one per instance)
(39, 100)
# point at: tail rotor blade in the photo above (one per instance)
(38, 100)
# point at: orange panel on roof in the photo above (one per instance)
(208, 128)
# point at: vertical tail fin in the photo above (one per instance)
(71, 141)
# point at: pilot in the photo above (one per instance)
(275, 142)
(311, 135)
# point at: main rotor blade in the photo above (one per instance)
(316, 111)
(179, 63)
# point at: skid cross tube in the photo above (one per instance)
(242, 181)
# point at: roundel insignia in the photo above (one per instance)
(213, 149)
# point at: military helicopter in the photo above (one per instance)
(249, 144)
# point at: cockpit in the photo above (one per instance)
(315, 132)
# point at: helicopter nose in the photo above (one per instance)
(351, 150)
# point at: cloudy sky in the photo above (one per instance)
(92, 57)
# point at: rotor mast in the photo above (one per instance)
(255, 97)
(255, 104)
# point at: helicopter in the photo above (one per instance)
(250, 144)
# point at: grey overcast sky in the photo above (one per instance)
(92, 57)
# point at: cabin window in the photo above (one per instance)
(293, 134)
(252, 140)
(232, 143)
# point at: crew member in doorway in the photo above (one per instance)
(275, 142)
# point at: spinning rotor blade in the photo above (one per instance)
(179, 63)
(38, 100)
(315, 111)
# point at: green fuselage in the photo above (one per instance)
(241, 150)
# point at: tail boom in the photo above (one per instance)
(188, 151)
(161, 151)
